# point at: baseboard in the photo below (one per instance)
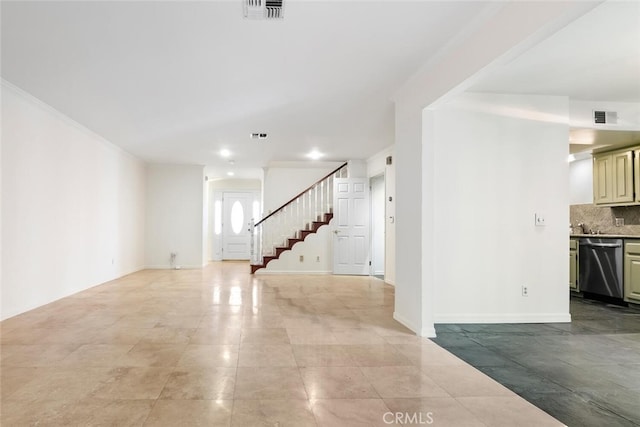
(503, 318)
(428, 331)
(265, 271)
(169, 267)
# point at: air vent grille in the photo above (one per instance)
(263, 9)
(605, 117)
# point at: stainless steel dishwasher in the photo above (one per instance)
(601, 266)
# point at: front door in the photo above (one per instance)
(351, 226)
(236, 221)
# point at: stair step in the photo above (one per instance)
(267, 259)
(316, 225)
(291, 242)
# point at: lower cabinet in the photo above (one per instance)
(632, 271)
(573, 265)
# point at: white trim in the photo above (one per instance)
(289, 272)
(503, 318)
(429, 332)
(168, 267)
(426, 332)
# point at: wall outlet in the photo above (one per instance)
(540, 222)
(525, 291)
(619, 222)
(301, 258)
(318, 258)
(113, 261)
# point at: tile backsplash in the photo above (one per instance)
(603, 219)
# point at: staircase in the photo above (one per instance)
(292, 222)
(300, 236)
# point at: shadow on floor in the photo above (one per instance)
(584, 373)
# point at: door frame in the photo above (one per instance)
(372, 220)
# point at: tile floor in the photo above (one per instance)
(219, 347)
(586, 373)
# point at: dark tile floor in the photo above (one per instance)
(586, 373)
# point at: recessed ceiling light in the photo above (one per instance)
(230, 173)
(225, 153)
(314, 154)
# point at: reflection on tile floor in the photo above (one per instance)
(220, 347)
(584, 373)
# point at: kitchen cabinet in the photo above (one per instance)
(636, 175)
(613, 177)
(602, 179)
(632, 270)
(573, 265)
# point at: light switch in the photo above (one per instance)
(539, 220)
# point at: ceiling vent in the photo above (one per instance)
(605, 117)
(258, 136)
(263, 9)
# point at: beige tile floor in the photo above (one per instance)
(219, 347)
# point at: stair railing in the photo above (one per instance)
(296, 215)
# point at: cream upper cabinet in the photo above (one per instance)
(615, 175)
(602, 179)
(623, 177)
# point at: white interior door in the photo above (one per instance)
(351, 226)
(236, 221)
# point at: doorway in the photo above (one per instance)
(377, 185)
(233, 214)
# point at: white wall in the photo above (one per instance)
(175, 215)
(581, 182)
(283, 183)
(412, 222)
(72, 206)
(495, 168)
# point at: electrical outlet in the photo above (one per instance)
(525, 291)
(318, 258)
(301, 258)
(539, 220)
(619, 222)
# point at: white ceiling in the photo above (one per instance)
(178, 81)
